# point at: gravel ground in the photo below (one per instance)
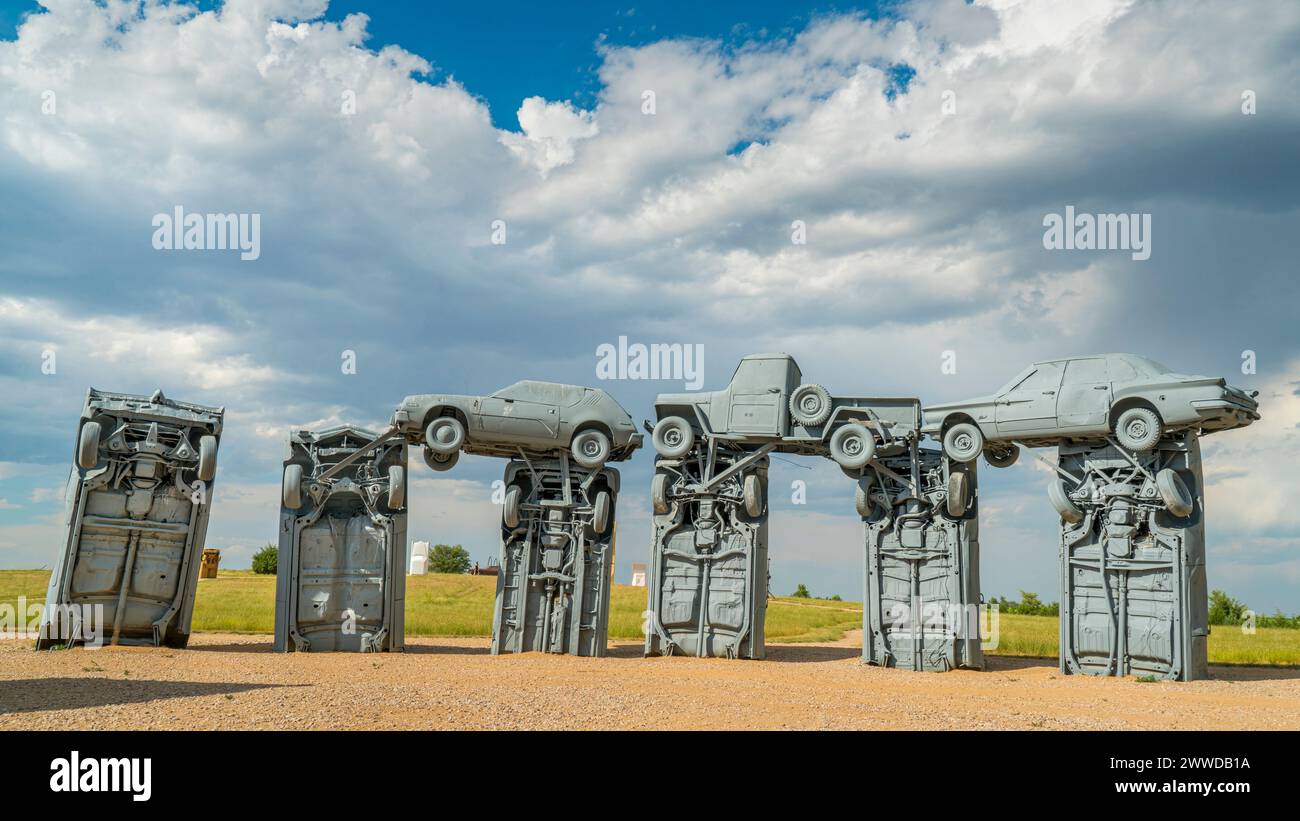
(235, 681)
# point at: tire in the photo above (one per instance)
(659, 493)
(600, 513)
(862, 497)
(958, 494)
(590, 449)
(1174, 493)
(396, 487)
(1060, 500)
(207, 458)
(88, 445)
(439, 461)
(291, 487)
(752, 491)
(1006, 460)
(673, 437)
(963, 442)
(852, 446)
(1138, 429)
(444, 435)
(510, 506)
(810, 405)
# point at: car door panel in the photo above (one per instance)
(519, 419)
(1084, 400)
(1029, 408)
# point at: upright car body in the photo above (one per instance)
(136, 516)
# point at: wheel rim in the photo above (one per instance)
(1137, 428)
(445, 435)
(590, 447)
(672, 437)
(964, 442)
(852, 446)
(810, 404)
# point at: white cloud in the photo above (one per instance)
(550, 132)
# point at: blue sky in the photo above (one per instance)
(923, 191)
(506, 51)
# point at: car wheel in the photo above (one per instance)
(852, 446)
(752, 490)
(207, 458)
(510, 506)
(862, 498)
(1174, 493)
(963, 442)
(810, 405)
(673, 437)
(88, 445)
(958, 494)
(444, 435)
(600, 513)
(291, 487)
(396, 487)
(1138, 429)
(590, 449)
(1002, 458)
(659, 493)
(1065, 506)
(441, 461)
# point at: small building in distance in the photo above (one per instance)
(638, 574)
(208, 563)
(419, 559)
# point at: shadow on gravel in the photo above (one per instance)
(445, 650)
(233, 647)
(811, 653)
(1218, 672)
(39, 694)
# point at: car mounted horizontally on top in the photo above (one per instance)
(528, 417)
(137, 503)
(767, 405)
(1086, 398)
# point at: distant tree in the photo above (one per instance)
(836, 597)
(1029, 605)
(1224, 609)
(445, 558)
(801, 592)
(266, 560)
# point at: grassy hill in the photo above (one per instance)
(447, 605)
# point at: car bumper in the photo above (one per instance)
(1220, 414)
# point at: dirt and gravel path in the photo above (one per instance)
(235, 681)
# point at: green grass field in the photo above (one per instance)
(240, 601)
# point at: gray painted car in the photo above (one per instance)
(529, 417)
(1086, 398)
(136, 515)
(767, 403)
(340, 578)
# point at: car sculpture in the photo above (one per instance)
(1135, 399)
(528, 418)
(137, 505)
(768, 403)
(340, 575)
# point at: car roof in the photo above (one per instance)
(1085, 356)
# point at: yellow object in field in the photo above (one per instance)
(208, 564)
